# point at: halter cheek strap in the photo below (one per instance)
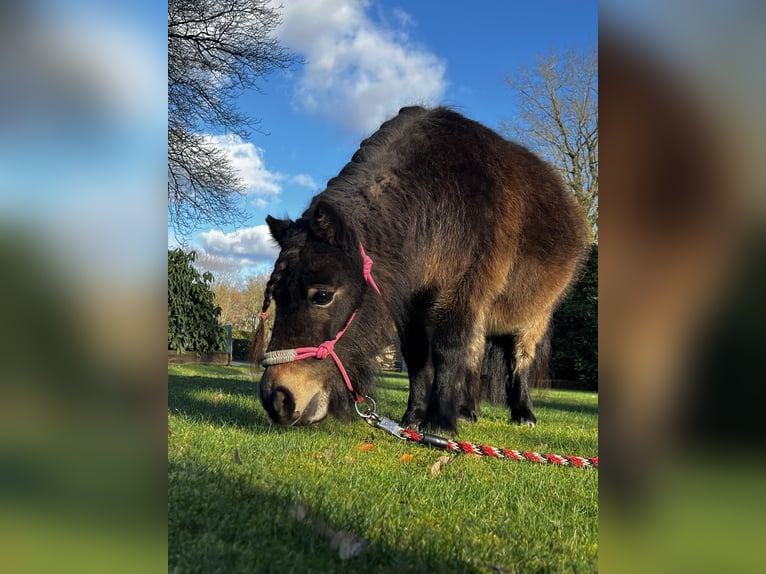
(367, 269)
(326, 349)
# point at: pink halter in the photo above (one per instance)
(328, 347)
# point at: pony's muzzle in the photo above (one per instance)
(289, 399)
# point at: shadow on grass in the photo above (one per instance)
(221, 523)
(560, 405)
(393, 381)
(238, 404)
(399, 381)
(398, 375)
(392, 387)
(243, 411)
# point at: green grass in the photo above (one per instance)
(475, 515)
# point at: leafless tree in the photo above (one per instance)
(216, 49)
(255, 285)
(558, 118)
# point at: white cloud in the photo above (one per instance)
(247, 159)
(247, 247)
(403, 17)
(305, 181)
(357, 73)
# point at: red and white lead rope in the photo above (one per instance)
(484, 450)
(375, 420)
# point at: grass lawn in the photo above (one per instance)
(246, 496)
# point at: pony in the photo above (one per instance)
(440, 229)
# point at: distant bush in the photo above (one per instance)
(192, 313)
(574, 348)
(240, 346)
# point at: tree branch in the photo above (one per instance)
(558, 117)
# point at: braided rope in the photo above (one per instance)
(278, 357)
(484, 450)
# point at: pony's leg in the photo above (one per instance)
(469, 408)
(538, 373)
(448, 349)
(527, 360)
(495, 373)
(416, 351)
(457, 352)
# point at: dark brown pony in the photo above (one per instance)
(471, 236)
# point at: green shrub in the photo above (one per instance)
(192, 313)
(574, 348)
(240, 348)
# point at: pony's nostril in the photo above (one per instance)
(284, 402)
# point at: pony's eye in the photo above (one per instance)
(322, 297)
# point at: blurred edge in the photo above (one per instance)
(681, 286)
(83, 235)
(82, 251)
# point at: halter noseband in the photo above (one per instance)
(328, 347)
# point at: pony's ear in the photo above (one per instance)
(329, 225)
(278, 228)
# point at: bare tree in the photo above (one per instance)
(228, 287)
(216, 49)
(558, 118)
(255, 285)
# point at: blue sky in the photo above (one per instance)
(363, 61)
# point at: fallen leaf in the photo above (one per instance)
(436, 467)
(406, 457)
(345, 543)
(217, 397)
(236, 456)
(297, 512)
(348, 544)
(365, 446)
